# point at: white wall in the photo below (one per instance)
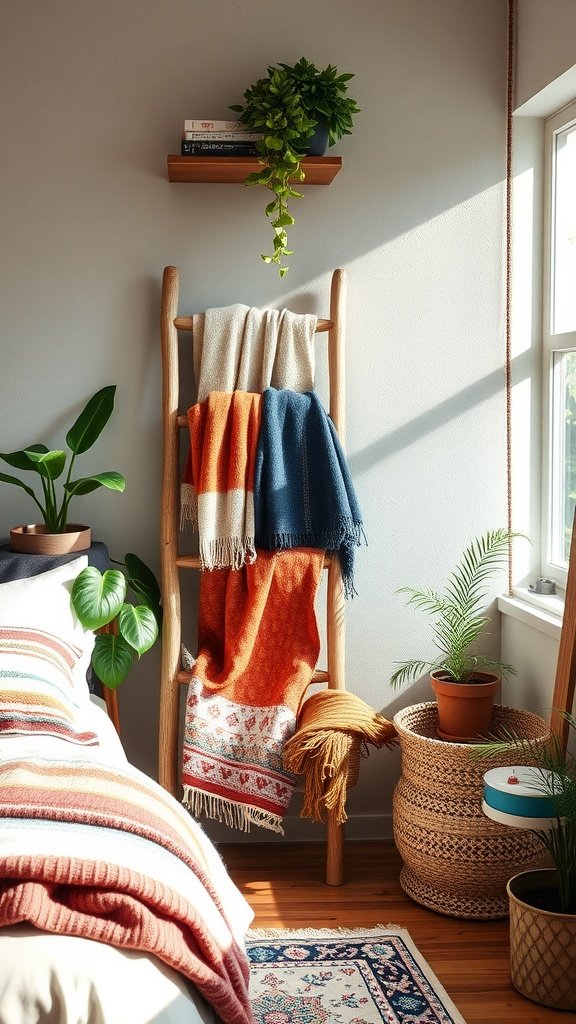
(93, 98)
(545, 51)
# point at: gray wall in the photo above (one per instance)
(545, 48)
(93, 97)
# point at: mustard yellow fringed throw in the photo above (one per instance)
(333, 726)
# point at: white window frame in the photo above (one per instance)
(559, 121)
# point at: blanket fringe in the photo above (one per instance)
(235, 815)
(325, 540)
(322, 933)
(227, 551)
(188, 507)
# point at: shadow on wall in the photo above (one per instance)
(431, 420)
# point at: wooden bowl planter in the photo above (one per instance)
(456, 860)
(542, 944)
(37, 540)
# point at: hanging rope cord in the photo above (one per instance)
(508, 275)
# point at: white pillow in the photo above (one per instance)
(43, 602)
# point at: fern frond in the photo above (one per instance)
(458, 621)
(408, 671)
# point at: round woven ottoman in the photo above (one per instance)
(456, 860)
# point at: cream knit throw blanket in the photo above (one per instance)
(240, 348)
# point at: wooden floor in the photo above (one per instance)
(284, 884)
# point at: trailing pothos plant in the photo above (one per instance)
(286, 107)
(99, 601)
(53, 465)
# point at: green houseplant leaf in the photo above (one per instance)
(91, 421)
(144, 584)
(456, 614)
(50, 466)
(111, 659)
(286, 106)
(138, 626)
(555, 777)
(99, 600)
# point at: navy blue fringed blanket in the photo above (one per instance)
(303, 491)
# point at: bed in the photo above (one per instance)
(115, 908)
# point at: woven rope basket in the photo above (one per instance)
(456, 860)
(542, 949)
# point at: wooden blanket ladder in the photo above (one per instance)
(173, 678)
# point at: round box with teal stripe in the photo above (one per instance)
(521, 797)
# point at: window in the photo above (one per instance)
(559, 334)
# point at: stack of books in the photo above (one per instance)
(204, 137)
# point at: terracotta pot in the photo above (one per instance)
(542, 944)
(464, 709)
(36, 540)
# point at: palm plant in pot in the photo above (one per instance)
(464, 678)
(287, 107)
(56, 534)
(541, 798)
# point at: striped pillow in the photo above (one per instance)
(37, 688)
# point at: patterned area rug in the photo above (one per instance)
(344, 977)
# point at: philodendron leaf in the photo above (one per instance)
(111, 479)
(144, 583)
(22, 460)
(91, 421)
(98, 597)
(138, 626)
(48, 464)
(111, 659)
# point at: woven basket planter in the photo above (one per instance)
(542, 946)
(456, 860)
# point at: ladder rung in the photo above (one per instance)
(193, 561)
(185, 323)
(320, 676)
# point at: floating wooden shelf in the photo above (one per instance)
(319, 170)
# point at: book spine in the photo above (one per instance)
(205, 148)
(208, 125)
(222, 136)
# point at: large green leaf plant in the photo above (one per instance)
(100, 602)
(58, 465)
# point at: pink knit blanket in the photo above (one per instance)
(101, 851)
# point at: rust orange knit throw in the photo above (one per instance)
(332, 726)
(258, 644)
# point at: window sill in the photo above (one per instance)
(541, 613)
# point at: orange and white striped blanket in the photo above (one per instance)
(91, 847)
(217, 493)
